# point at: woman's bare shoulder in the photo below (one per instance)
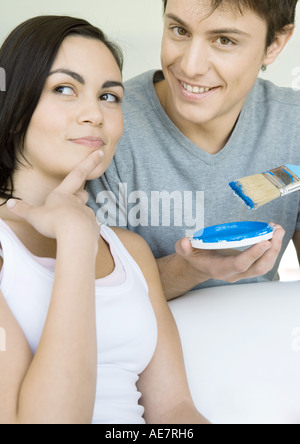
(138, 248)
(133, 242)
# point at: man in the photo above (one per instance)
(203, 121)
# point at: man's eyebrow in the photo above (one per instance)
(212, 32)
(177, 19)
(229, 31)
(72, 74)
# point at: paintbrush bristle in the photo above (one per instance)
(255, 190)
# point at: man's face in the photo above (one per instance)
(210, 60)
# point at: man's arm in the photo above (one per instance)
(189, 267)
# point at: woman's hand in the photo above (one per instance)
(64, 211)
(67, 350)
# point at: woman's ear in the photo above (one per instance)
(275, 49)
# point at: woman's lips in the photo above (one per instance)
(90, 142)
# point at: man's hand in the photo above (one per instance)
(190, 267)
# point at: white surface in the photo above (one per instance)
(199, 244)
(242, 351)
(289, 269)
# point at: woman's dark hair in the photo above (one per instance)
(277, 13)
(26, 57)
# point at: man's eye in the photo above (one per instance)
(64, 90)
(111, 98)
(180, 31)
(224, 41)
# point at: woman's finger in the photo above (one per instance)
(19, 208)
(83, 196)
(77, 177)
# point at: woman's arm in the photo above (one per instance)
(165, 392)
(58, 384)
(63, 370)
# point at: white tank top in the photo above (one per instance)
(126, 323)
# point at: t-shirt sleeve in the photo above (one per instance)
(107, 198)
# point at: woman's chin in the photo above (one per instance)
(97, 173)
(93, 177)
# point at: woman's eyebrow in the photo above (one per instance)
(80, 79)
(112, 84)
(72, 74)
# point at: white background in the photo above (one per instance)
(136, 25)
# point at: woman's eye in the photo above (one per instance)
(64, 90)
(110, 98)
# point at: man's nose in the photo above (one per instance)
(195, 60)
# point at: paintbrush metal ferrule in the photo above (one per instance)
(284, 180)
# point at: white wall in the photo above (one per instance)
(137, 26)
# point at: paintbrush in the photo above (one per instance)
(261, 189)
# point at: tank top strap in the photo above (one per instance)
(127, 260)
(9, 253)
(7, 239)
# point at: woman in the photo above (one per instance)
(77, 351)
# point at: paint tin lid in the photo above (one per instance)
(232, 235)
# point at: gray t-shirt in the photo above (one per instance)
(164, 187)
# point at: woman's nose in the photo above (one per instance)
(91, 113)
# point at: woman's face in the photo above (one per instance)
(79, 110)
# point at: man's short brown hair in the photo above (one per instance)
(277, 13)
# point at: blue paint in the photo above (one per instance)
(238, 189)
(295, 169)
(241, 192)
(233, 232)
